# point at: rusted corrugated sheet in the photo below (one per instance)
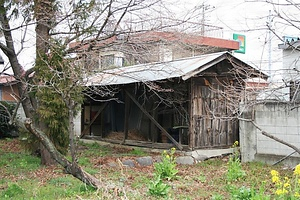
(155, 71)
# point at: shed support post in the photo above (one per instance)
(127, 109)
(179, 146)
(153, 127)
(191, 132)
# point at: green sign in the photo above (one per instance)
(242, 40)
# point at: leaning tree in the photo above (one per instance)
(56, 79)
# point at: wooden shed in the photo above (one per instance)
(188, 103)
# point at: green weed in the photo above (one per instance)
(140, 181)
(158, 188)
(201, 178)
(137, 152)
(235, 170)
(91, 170)
(166, 169)
(247, 193)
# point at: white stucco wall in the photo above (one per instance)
(77, 124)
(277, 119)
(21, 114)
(77, 120)
(290, 64)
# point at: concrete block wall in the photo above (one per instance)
(277, 119)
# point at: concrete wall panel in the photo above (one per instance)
(277, 119)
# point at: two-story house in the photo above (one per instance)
(147, 47)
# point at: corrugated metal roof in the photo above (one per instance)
(155, 71)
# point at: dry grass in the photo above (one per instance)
(132, 135)
(199, 181)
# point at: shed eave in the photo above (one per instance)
(151, 72)
(202, 68)
(183, 68)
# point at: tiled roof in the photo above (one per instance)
(156, 36)
(4, 79)
(186, 38)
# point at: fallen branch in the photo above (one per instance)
(70, 167)
(275, 138)
(285, 157)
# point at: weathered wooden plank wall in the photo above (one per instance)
(212, 124)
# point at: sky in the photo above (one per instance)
(250, 18)
(247, 17)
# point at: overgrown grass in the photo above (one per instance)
(137, 152)
(21, 177)
(16, 163)
(95, 149)
(62, 188)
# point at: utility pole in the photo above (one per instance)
(203, 20)
(269, 24)
(203, 17)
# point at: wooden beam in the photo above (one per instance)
(179, 146)
(192, 114)
(127, 110)
(92, 121)
(153, 127)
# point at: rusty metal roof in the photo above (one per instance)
(183, 68)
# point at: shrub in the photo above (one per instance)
(7, 129)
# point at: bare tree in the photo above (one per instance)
(88, 23)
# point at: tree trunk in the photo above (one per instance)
(44, 14)
(46, 158)
(73, 144)
(70, 167)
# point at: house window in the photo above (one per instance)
(91, 61)
(165, 54)
(119, 61)
(107, 61)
